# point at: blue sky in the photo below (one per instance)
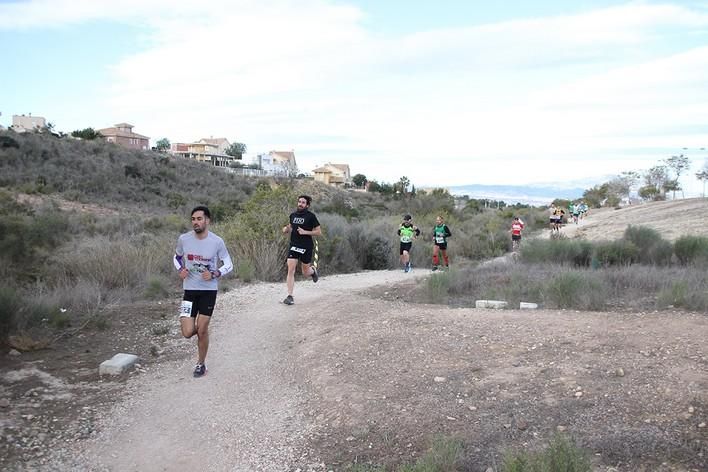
(446, 92)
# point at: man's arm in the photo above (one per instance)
(316, 231)
(287, 228)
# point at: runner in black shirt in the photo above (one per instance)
(302, 227)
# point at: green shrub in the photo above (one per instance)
(619, 252)
(692, 250)
(156, 287)
(652, 248)
(437, 286)
(575, 289)
(561, 455)
(444, 455)
(572, 252)
(245, 270)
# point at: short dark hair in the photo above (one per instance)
(203, 208)
(407, 217)
(307, 198)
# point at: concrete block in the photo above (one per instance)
(527, 306)
(490, 304)
(117, 364)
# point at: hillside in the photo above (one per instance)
(671, 219)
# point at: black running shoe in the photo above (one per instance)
(200, 370)
(289, 300)
(435, 268)
(315, 275)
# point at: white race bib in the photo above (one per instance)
(185, 309)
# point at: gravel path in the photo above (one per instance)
(244, 415)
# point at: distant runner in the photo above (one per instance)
(440, 234)
(407, 232)
(197, 259)
(517, 226)
(302, 227)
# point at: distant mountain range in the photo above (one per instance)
(527, 194)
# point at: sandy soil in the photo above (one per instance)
(353, 373)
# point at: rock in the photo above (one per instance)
(117, 364)
(702, 425)
(522, 424)
(691, 409)
(560, 428)
(439, 379)
(578, 394)
(4, 402)
(619, 372)
(527, 306)
(13, 352)
(496, 304)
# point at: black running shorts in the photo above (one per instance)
(203, 301)
(405, 247)
(304, 254)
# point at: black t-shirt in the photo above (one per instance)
(305, 220)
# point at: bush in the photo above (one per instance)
(245, 270)
(437, 287)
(576, 289)
(560, 251)
(612, 253)
(156, 287)
(692, 250)
(652, 248)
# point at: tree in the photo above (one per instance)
(162, 144)
(677, 164)
(402, 185)
(236, 150)
(703, 176)
(359, 180)
(88, 134)
(656, 177)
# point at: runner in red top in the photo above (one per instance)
(516, 228)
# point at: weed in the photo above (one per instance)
(160, 329)
(245, 270)
(561, 455)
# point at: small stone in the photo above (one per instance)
(451, 418)
(13, 352)
(350, 438)
(691, 409)
(702, 425)
(578, 394)
(522, 424)
(507, 425)
(619, 372)
(4, 402)
(472, 408)
(439, 379)
(561, 428)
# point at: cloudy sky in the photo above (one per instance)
(444, 92)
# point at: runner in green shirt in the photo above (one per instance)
(407, 232)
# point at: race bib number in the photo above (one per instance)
(406, 239)
(439, 239)
(299, 250)
(185, 309)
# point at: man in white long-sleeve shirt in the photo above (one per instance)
(197, 258)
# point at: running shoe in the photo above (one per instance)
(315, 275)
(435, 268)
(289, 300)
(200, 370)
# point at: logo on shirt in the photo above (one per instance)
(298, 220)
